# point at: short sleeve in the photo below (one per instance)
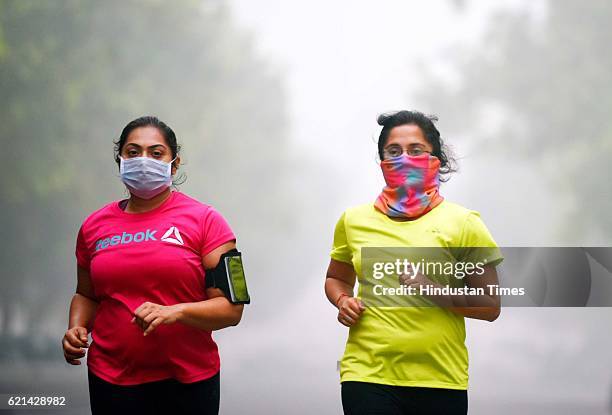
(215, 231)
(476, 235)
(341, 251)
(82, 251)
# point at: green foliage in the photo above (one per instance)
(549, 84)
(73, 73)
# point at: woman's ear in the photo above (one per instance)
(175, 165)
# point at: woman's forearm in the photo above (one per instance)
(481, 307)
(212, 314)
(82, 312)
(335, 287)
(479, 313)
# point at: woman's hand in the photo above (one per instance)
(349, 310)
(150, 315)
(74, 344)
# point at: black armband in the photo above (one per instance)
(229, 277)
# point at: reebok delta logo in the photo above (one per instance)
(126, 238)
(173, 235)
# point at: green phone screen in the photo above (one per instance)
(237, 279)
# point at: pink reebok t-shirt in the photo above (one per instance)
(154, 256)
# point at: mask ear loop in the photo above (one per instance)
(172, 175)
(171, 162)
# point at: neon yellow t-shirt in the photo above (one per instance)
(408, 346)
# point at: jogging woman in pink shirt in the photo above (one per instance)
(141, 290)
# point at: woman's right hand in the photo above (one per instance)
(349, 310)
(74, 344)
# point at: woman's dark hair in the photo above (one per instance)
(390, 120)
(164, 129)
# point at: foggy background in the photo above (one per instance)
(275, 105)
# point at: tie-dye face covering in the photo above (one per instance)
(412, 186)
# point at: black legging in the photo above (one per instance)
(162, 397)
(361, 398)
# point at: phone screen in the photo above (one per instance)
(237, 280)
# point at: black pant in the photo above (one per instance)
(167, 396)
(362, 398)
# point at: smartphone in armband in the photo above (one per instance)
(229, 277)
(238, 291)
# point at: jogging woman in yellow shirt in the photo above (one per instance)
(408, 360)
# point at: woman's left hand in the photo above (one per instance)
(150, 315)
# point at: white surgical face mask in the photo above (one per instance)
(145, 177)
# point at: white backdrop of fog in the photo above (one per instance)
(344, 63)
